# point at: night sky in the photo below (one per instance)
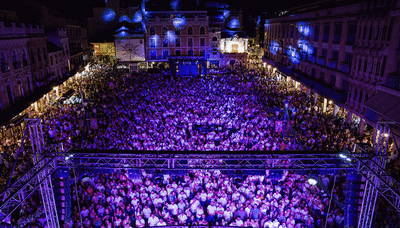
(81, 9)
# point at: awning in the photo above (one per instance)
(386, 104)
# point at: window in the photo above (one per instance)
(152, 42)
(359, 64)
(377, 33)
(51, 60)
(202, 30)
(365, 65)
(316, 32)
(202, 42)
(371, 30)
(325, 38)
(365, 32)
(190, 53)
(15, 57)
(338, 33)
(384, 31)
(202, 52)
(348, 58)
(322, 76)
(3, 59)
(153, 54)
(24, 58)
(178, 52)
(190, 42)
(283, 32)
(177, 31)
(332, 80)
(165, 43)
(324, 53)
(383, 65)
(335, 55)
(190, 31)
(315, 51)
(351, 33)
(372, 67)
(165, 54)
(44, 54)
(390, 29)
(164, 30)
(291, 31)
(214, 39)
(32, 57)
(152, 31)
(178, 42)
(378, 66)
(360, 97)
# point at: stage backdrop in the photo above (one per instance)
(130, 49)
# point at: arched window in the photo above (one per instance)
(44, 53)
(15, 57)
(190, 31)
(214, 38)
(152, 31)
(3, 59)
(202, 30)
(32, 56)
(177, 31)
(164, 31)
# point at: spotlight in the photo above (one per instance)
(342, 156)
(385, 135)
(312, 181)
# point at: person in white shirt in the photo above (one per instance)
(153, 220)
(158, 202)
(238, 222)
(161, 223)
(174, 208)
(146, 211)
(228, 215)
(182, 218)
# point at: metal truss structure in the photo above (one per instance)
(210, 160)
(369, 164)
(377, 179)
(38, 177)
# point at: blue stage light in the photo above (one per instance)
(137, 17)
(175, 5)
(293, 54)
(108, 14)
(305, 47)
(227, 13)
(179, 22)
(171, 36)
(123, 34)
(234, 23)
(124, 18)
(123, 28)
(304, 28)
(274, 47)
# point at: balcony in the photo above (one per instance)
(321, 61)
(332, 64)
(345, 67)
(17, 65)
(5, 68)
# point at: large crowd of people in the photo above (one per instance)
(143, 111)
(201, 197)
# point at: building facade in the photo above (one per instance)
(58, 48)
(24, 62)
(341, 54)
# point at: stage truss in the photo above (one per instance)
(369, 165)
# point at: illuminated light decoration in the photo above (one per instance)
(171, 36)
(108, 14)
(304, 28)
(293, 55)
(305, 47)
(234, 23)
(123, 28)
(179, 22)
(227, 13)
(124, 18)
(143, 8)
(123, 34)
(137, 17)
(274, 47)
(175, 5)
